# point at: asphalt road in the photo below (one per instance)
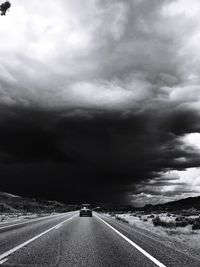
(70, 240)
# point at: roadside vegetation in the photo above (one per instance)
(182, 226)
(180, 221)
(15, 208)
(14, 217)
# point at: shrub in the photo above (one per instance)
(158, 222)
(181, 223)
(151, 216)
(190, 220)
(196, 225)
(180, 218)
(121, 219)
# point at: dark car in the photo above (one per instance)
(85, 210)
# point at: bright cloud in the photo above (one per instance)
(168, 186)
(54, 44)
(192, 140)
(182, 7)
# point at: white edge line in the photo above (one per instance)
(34, 220)
(7, 253)
(134, 244)
(59, 225)
(4, 260)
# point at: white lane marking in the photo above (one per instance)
(7, 253)
(59, 225)
(4, 260)
(35, 220)
(133, 244)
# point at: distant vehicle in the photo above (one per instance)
(85, 210)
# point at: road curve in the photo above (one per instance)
(68, 240)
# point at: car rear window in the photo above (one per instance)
(86, 206)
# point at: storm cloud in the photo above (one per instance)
(99, 100)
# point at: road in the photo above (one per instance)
(69, 240)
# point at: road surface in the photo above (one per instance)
(69, 240)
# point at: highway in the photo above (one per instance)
(69, 240)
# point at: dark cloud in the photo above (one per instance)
(4, 7)
(101, 156)
(99, 100)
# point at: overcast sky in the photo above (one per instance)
(100, 100)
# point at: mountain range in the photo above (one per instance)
(14, 203)
(186, 203)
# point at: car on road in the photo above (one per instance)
(86, 210)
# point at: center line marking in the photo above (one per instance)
(158, 263)
(9, 252)
(29, 221)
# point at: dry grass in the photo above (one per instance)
(19, 216)
(184, 229)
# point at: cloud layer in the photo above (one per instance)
(107, 91)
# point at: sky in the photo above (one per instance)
(100, 100)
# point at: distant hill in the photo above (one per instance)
(113, 207)
(13, 203)
(186, 203)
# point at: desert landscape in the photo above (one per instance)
(177, 223)
(16, 208)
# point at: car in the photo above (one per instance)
(86, 210)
